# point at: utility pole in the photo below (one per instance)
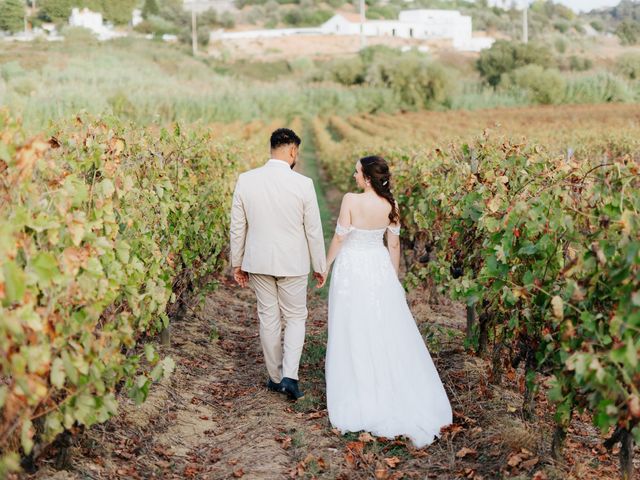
(363, 41)
(194, 33)
(525, 23)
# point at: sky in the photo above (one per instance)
(586, 5)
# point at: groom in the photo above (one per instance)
(275, 228)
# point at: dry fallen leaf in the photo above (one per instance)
(464, 451)
(366, 437)
(285, 442)
(392, 462)
(529, 464)
(381, 473)
(238, 473)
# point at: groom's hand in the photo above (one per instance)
(241, 278)
(321, 278)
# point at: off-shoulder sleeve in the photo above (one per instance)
(342, 231)
(395, 229)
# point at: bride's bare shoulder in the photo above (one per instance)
(350, 197)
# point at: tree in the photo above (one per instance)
(55, 10)
(12, 15)
(504, 57)
(150, 8)
(629, 32)
(117, 11)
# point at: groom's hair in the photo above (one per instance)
(284, 136)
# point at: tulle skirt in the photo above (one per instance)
(379, 373)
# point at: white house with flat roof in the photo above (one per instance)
(424, 24)
(420, 24)
(94, 22)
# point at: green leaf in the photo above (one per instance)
(53, 424)
(168, 365)
(57, 373)
(45, 266)
(69, 368)
(85, 406)
(631, 353)
(26, 436)
(150, 352)
(156, 373)
(14, 282)
(4, 390)
(107, 187)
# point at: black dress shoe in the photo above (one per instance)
(274, 387)
(290, 387)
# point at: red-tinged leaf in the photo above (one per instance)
(356, 447)
(285, 442)
(465, 451)
(350, 459)
(392, 462)
(191, 471)
(381, 473)
(514, 460)
(529, 464)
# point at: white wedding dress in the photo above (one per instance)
(380, 376)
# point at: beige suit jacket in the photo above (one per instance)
(275, 223)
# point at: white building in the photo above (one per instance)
(85, 18)
(93, 21)
(136, 17)
(417, 24)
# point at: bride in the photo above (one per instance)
(379, 373)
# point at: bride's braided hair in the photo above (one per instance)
(376, 170)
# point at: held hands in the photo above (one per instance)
(321, 278)
(241, 278)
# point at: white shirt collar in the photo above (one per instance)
(275, 161)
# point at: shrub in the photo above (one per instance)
(11, 70)
(597, 25)
(348, 71)
(562, 26)
(504, 57)
(299, 17)
(416, 81)
(578, 27)
(628, 65)
(580, 64)
(157, 26)
(380, 12)
(545, 86)
(150, 7)
(629, 32)
(560, 44)
(11, 15)
(599, 88)
(55, 10)
(79, 35)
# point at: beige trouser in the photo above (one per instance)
(276, 296)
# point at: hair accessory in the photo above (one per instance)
(385, 182)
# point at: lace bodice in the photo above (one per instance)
(360, 237)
